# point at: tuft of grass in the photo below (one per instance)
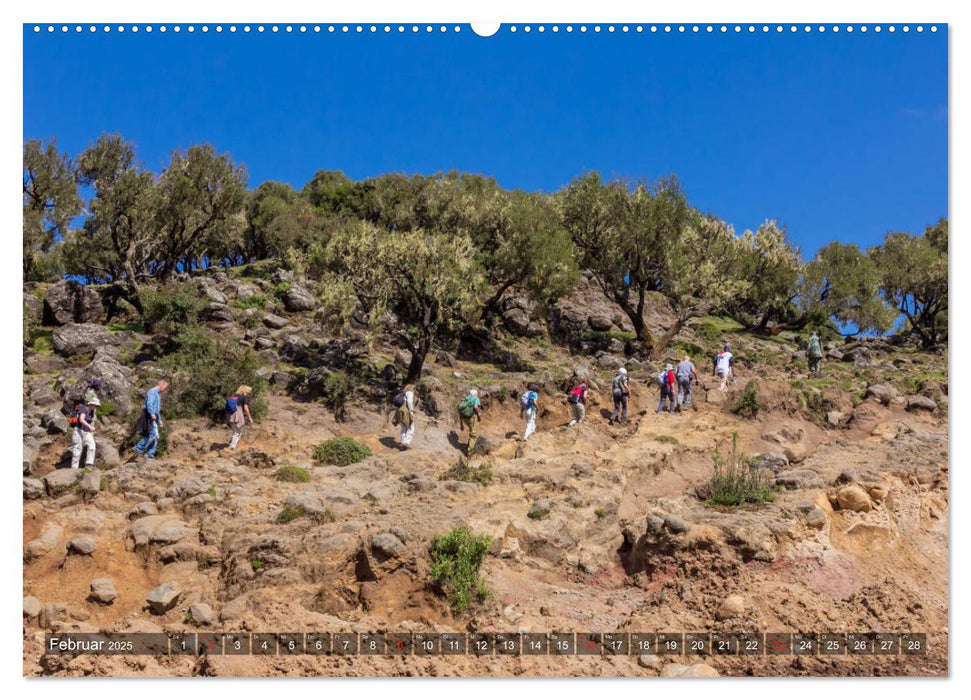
(341, 451)
(622, 336)
(290, 513)
(107, 408)
(600, 513)
(456, 559)
(462, 471)
(254, 301)
(137, 326)
(735, 481)
(292, 474)
(748, 405)
(667, 439)
(41, 340)
(712, 329)
(282, 288)
(257, 564)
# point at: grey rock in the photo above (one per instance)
(54, 422)
(649, 661)
(776, 461)
(91, 482)
(402, 359)
(116, 380)
(298, 298)
(816, 518)
(380, 492)
(84, 545)
(274, 321)
(219, 313)
(540, 509)
(43, 544)
(446, 359)
(103, 591)
(835, 418)
(142, 509)
(210, 291)
(798, 479)
(655, 524)
(61, 480)
(600, 323)
(32, 607)
(106, 453)
(69, 301)
(158, 529)
(387, 545)
(51, 614)
(76, 338)
(803, 506)
(33, 488)
(43, 395)
(882, 392)
(581, 469)
(164, 597)
(201, 613)
(608, 361)
(675, 525)
(920, 403)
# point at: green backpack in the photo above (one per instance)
(467, 406)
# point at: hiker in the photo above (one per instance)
(404, 416)
(724, 366)
(94, 386)
(151, 420)
(529, 407)
(814, 352)
(578, 401)
(237, 411)
(470, 413)
(684, 373)
(83, 436)
(668, 384)
(621, 391)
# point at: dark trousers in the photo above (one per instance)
(620, 408)
(667, 394)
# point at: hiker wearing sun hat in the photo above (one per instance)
(668, 383)
(83, 437)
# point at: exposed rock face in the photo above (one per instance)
(116, 380)
(853, 497)
(298, 298)
(76, 338)
(103, 591)
(69, 301)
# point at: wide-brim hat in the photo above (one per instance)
(668, 367)
(93, 401)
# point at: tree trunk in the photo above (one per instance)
(417, 360)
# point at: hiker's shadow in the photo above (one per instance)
(453, 440)
(389, 442)
(605, 414)
(216, 446)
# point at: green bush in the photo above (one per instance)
(456, 559)
(341, 451)
(253, 301)
(292, 474)
(667, 439)
(207, 368)
(290, 513)
(748, 405)
(622, 336)
(336, 389)
(735, 481)
(462, 471)
(282, 288)
(107, 408)
(171, 308)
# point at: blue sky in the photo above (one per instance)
(839, 136)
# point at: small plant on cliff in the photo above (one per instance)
(748, 405)
(456, 559)
(292, 474)
(463, 471)
(735, 481)
(290, 513)
(341, 451)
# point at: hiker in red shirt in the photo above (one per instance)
(669, 391)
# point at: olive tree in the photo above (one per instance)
(50, 202)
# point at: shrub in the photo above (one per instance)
(292, 474)
(290, 513)
(622, 336)
(253, 301)
(735, 481)
(171, 308)
(282, 288)
(41, 340)
(600, 513)
(667, 439)
(341, 451)
(107, 408)
(336, 388)
(462, 471)
(212, 366)
(748, 404)
(456, 559)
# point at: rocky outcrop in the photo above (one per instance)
(76, 338)
(68, 301)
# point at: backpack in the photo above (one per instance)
(467, 407)
(75, 415)
(232, 403)
(400, 399)
(814, 350)
(576, 395)
(619, 385)
(527, 399)
(144, 423)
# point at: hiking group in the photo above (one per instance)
(674, 383)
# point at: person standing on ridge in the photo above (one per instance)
(152, 414)
(621, 392)
(578, 400)
(83, 436)
(724, 366)
(814, 352)
(529, 402)
(668, 384)
(470, 413)
(685, 373)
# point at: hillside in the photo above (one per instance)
(595, 528)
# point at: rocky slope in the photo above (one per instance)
(597, 528)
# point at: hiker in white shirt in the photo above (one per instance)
(724, 366)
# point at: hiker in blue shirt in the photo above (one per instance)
(528, 403)
(152, 416)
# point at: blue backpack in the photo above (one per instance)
(231, 404)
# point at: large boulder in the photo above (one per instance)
(884, 393)
(298, 298)
(61, 480)
(158, 529)
(68, 301)
(210, 290)
(54, 422)
(853, 497)
(164, 597)
(116, 382)
(76, 338)
(920, 403)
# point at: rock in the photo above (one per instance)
(76, 338)
(69, 301)
(50, 615)
(540, 509)
(116, 382)
(84, 545)
(402, 359)
(649, 661)
(378, 493)
(517, 321)
(43, 544)
(61, 480)
(692, 671)
(920, 403)
(776, 461)
(803, 506)
(32, 607)
(103, 591)
(33, 488)
(106, 453)
(600, 323)
(54, 422)
(511, 549)
(882, 393)
(210, 291)
(43, 395)
(158, 529)
(655, 524)
(878, 492)
(483, 446)
(201, 613)
(446, 359)
(798, 479)
(274, 321)
(387, 545)
(732, 606)
(164, 597)
(233, 610)
(142, 509)
(675, 525)
(608, 361)
(581, 469)
(816, 519)
(298, 298)
(835, 418)
(91, 483)
(847, 476)
(853, 497)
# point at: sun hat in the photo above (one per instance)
(668, 367)
(623, 370)
(93, 401)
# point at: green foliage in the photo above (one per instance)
(463, 471)
(292, 474)
(747, 405)
(336, 389)
(257, 564)
(341, 451)
(712, 329)
(290, 513)
(207, 368)
(171, 308)
(600, 513)
(282, 288)
(253, 301)
(50, 202)
(277, 219)
(735, 481)
(622, 336)
(107, 408)
(667, 439)
(456, 560)
(41, 340)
